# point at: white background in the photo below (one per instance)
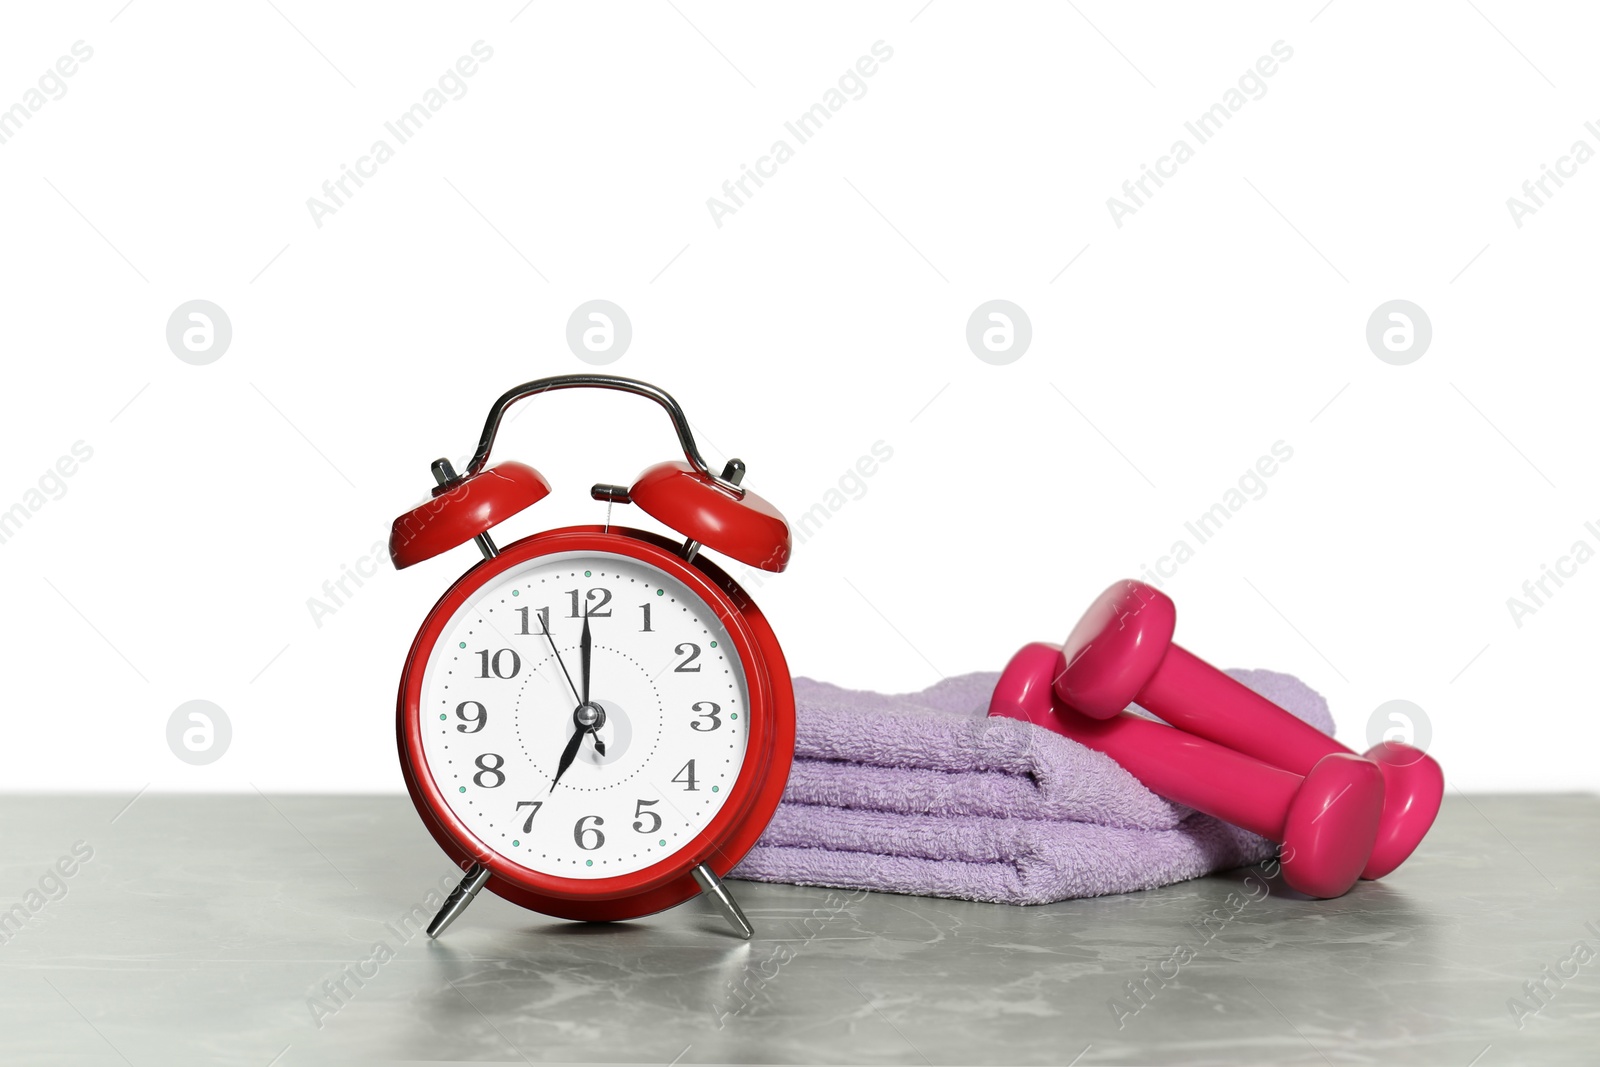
(827, 314)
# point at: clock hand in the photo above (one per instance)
(585, 650)
(588, 719)
(569, 754)
(557, 651)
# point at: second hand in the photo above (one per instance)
(557, 651)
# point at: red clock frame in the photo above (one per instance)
(732, 831)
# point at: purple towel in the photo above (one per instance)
(923, 793)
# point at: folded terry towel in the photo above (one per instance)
(924, 793)
(1004, 861)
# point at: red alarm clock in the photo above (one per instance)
(595, 722)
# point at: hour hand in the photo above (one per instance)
(569, 754)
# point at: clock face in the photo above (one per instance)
(500, 708)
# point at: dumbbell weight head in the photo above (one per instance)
(1413, 790)
(1332, 825)
(1115, 649)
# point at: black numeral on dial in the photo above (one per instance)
(591, 608)
(685, 778)
(527, 824)
(504, 663)
(639, 815)
(692, 654)
(471, 724)
(544, 620)
(710, 710)
(487, 769)
(589, 838)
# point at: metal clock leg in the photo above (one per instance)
(460, 897)
(712, 887)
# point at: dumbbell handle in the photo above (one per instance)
(1190, 770)
(1189, 693)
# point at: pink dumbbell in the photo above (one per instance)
(1326, 820)
(1121, 652)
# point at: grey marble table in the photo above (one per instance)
(274, 930)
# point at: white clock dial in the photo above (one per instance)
(498, 703)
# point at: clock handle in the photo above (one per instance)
(680, 422)
(711, 886)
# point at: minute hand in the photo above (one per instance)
(584, 656)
